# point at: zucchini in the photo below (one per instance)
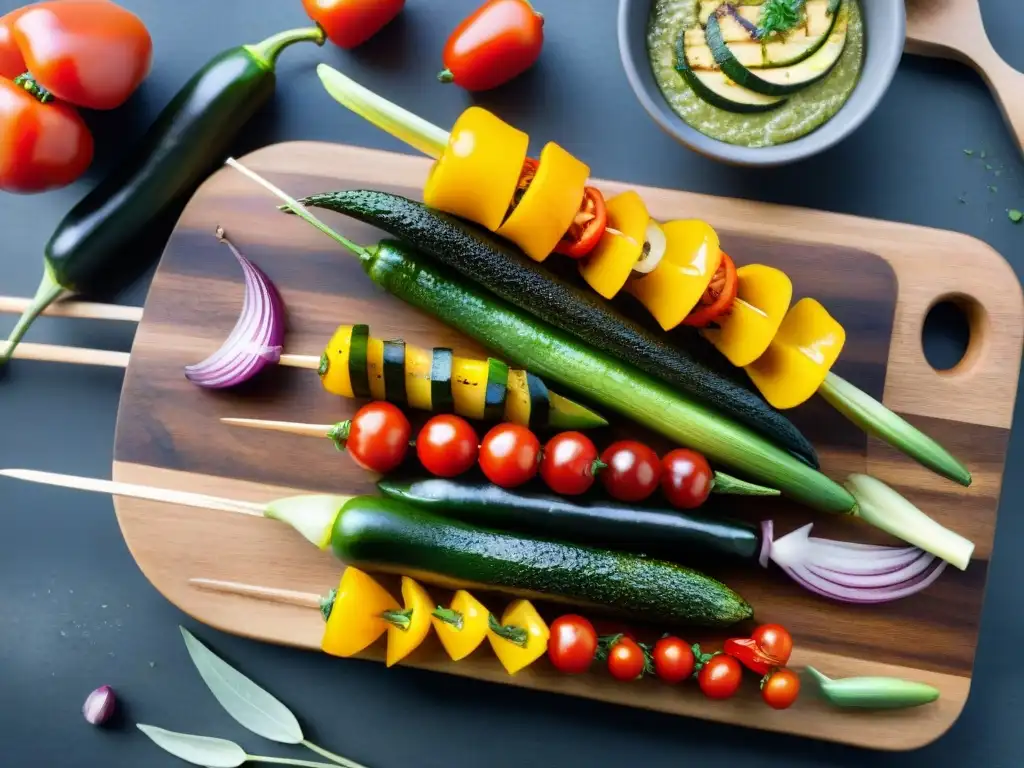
(358, 366)
(394, 373)
(670, 534)
(504, 270)
(560, 357)
(441, 400)
(385, 535)
(780, 81)
(539, 399)
(496, 391)
(718, 90)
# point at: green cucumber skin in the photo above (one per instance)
(669, 534)
(378, 533)
(556, 356)
(514, 277)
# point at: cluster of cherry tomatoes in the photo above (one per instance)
(574, 646)
(510, 455)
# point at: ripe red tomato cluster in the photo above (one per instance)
(574, 645)
(511, 455)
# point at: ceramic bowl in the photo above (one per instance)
(885, 25)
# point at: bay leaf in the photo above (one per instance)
(198, 750)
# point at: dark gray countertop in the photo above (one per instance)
(76, 613)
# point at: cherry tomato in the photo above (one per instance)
(44, 146)
(706, 313)
(775, 641)
(686, 478)
(567, 465)
(509, 454)
(780, 689)
(447, 446)
(720, 677)
(349, 23)
(626, 659)
(378, 437)
(632, 471)
(495, 43)
(673, 659)
(90, 53)
(585, 232)
(572, 645)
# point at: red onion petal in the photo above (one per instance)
(847, 571)
(257, 339)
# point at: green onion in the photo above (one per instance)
(873, 692)
(874, 418)
(881, 506)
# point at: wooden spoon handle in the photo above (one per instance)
(1007, 85)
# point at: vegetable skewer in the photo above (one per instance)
(384, 535)
(757, 331)
(523, 400)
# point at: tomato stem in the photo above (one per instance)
(29, 84)
(339, 433)
(445, 76)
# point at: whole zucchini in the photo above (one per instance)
(383, 534)
(670, 534)
(507, 272)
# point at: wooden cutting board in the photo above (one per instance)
(954, 29)
(878, 278)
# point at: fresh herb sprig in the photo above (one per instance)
(778, 16)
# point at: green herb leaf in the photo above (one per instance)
(198, 750)
(245, 701)
(988, 166)
(968, 152)
(1015, 215)
(780, 16)
(982, 155)
(993, 188)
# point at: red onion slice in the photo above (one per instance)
(847, 571)
(257, 338)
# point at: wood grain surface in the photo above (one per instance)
(878, 278)
(954, 29)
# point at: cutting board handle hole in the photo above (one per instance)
(953, 333)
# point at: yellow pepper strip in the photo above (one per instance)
(334, 375)
(763, 295)
(477, 174)
(549, 205)
(799, 357)
(521, 638)
(354, 614)
(609, 265)
(408, 627)
(462, 626)
(672, 290)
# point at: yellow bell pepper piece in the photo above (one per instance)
(521, 638)
(334, 374)
(462, 626)
(354, 614)
(408, 627)
(672, 290)
(477, 174)
(609, 265)
(763, 295)
(800, 356)
(549, 205)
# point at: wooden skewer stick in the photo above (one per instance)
(266, 594)
(183, 498)
(54, 353)
(290, 427)
(82, 309)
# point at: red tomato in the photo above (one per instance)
(633, 470)
(588, 227)
(775, 641)
(378, 437)
(12, 63)
(508, 455)
(90, 53)
(567, 465)
(447, 446)
(686, 478)
(717, 304)
(626, 659)
(44, 146)
(780, 689)
(673, 659)
(497, 42)
(572, 645)
(349, 23)
(720, 677)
